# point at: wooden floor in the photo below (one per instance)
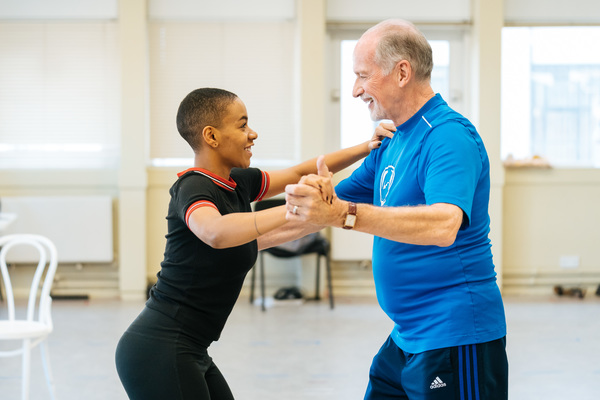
(307, 351)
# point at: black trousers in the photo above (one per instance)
(155, 360)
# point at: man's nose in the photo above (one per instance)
(357, 90)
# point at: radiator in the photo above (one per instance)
(81, 227)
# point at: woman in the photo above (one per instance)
(211, 245)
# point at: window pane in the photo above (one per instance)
(356, 124)
(551, 94)
(253, 60)
(59, 98)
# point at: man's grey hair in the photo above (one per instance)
(401, 40)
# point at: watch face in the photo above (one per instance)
(350, 221)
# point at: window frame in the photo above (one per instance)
(226, 64)
(458, 38)
(514, 156)
(50, 146)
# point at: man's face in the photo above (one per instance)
(379, 91)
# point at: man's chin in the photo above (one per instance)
(375, 117)
(374, 113)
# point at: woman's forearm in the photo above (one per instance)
(236, 229)
(286, 233)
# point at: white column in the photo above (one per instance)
(132, 172)
(311, 100)
(311, 87)
(488, 20)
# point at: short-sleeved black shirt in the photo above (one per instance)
(197, 284)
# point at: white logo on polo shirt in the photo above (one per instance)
(385, 184)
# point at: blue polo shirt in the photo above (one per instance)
(437, 296)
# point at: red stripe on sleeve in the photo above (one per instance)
(264, 186)
(195, 206)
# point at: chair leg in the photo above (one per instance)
(47, 370)
(262, 281)
(318, 278)
(329, 283)
(26, 369)
(252, 276)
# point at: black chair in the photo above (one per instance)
(311, 244)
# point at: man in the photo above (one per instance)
(424, 195)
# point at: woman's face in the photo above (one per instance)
(236, 137)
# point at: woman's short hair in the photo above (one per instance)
(202, 107)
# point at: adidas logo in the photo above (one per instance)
(437, 383)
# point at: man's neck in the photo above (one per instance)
(413, 101)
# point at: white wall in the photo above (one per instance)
(222, 10)
(58, 9)
(552, 11)
(551, 214)
(431, 11)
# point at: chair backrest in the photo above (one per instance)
(311, 243)
(47, 257)
(268, 203)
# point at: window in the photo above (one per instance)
(355, 121)
(551, 94)
(59, 95)
(255, 60)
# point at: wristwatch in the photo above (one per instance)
(350, 216)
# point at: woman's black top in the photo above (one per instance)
(197, 284)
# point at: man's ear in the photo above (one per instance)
(403, 72)
(210, 135)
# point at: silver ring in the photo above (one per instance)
(295, 210)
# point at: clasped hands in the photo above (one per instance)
(313, 198)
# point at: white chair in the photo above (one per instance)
(37, 326)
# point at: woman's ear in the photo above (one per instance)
(210, 135)
(403, 72)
